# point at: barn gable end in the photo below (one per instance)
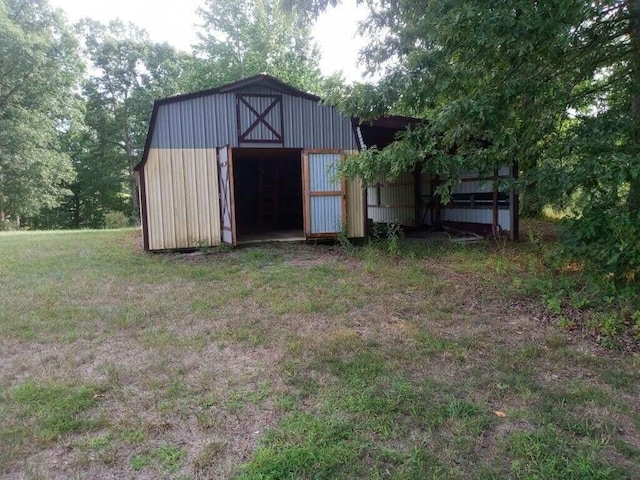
(212, 121)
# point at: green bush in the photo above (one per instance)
(116, 220)
(608, 240)
(6, 226)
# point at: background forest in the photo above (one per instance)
(75, 100)
(554, 85)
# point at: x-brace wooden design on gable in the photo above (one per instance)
(259, 118)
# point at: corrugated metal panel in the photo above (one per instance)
(356, 209)
(425, 194)
(182, 198)
(467, 215)
(204, 122)
(323, 172)
(326, 214)
(210, 122)
(504, 219)
(477, 215)
(166, 193)
(396, 203)
(392, 202)
(324, 193)
(474, 187)
(308, 124)
(155, 227)
(221, 110)
(400, 216)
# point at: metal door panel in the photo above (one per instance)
(325, 196)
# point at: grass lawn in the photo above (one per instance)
(438, 361)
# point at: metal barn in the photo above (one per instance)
(250, 161)
(256, 160)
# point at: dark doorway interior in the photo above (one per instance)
(268, 193)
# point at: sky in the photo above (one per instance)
(173, 22)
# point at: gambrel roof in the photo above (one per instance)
(262, 80)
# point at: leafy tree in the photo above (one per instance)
(39, 69)
(128, 72)
(553, 84)
(248, 37)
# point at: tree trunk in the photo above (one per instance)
(3, 215)
(131, 160)
(135, 214)
(76, 210)
(633, 201)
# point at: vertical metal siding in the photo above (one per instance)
(504, 219)
(395, 203)
(166, 191)
(477, 215)
(475, 186)
(323, 171)
(356, 209)
(203, 122)
(468, 215)
(307, 124)
(154, 201)
(326, 214)
(210, 121)
(482, 214)
(425, 192)
(325, 209)
(182, 198)
(400, 216)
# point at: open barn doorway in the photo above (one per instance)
(268, 194)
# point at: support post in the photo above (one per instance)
(494, 223)
(514, 205)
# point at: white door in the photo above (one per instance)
(324, 193)
(227, 206)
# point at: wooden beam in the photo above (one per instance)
(514, 205)
(494, 223)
